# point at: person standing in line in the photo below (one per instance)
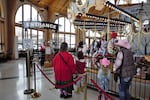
(103, 76)
(80, 65)
(125, 67)
(64, 69)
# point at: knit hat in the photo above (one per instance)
(123, 43)
(105, 62)
(113, 35)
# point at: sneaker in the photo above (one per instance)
(82, 89)
(77, 91)
(62, 95)
(68, 96)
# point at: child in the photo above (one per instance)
(80, 65)
(103, 76)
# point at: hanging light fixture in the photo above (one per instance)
(81, 3)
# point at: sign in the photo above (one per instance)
(28, 44)
(42, 25)
(48, 50)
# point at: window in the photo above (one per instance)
(90, 36)
(35, 34)
(65, 33)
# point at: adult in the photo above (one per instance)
(64, 68)
(42, 50)
(82, 47)
(124, 66)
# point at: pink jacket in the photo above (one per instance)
(62, 71)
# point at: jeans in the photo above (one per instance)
(124, 88)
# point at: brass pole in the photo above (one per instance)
(34, 78)
(108, 26)
(84, 32)
(85, 88)
(35, 94)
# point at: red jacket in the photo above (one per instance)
(80, 66)
(62, 71)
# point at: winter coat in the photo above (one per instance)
(80, 65)
(63, 72)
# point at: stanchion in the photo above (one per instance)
(35, 93)
(85, 88)
(28, 91)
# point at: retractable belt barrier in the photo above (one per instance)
(100, 89)
(36, 94)
(57, 86)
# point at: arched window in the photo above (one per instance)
(65, 33)
(27, 12)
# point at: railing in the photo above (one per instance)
(139, 89)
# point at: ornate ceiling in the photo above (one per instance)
(58, 6)
(61, 7)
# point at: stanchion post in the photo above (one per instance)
(28, 90)
(35, 93)
(85, 88)
(34, 78)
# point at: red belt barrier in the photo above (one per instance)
(56, 86)
(100, 89)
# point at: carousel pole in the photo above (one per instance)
(84, 32)
(108, 26)
(119, 28)
(85, 87)
(95, 31)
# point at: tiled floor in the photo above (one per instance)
(13, 83)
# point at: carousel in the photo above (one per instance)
(130, 22)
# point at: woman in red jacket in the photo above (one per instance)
(64, 68)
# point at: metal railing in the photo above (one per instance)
(139, 89)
